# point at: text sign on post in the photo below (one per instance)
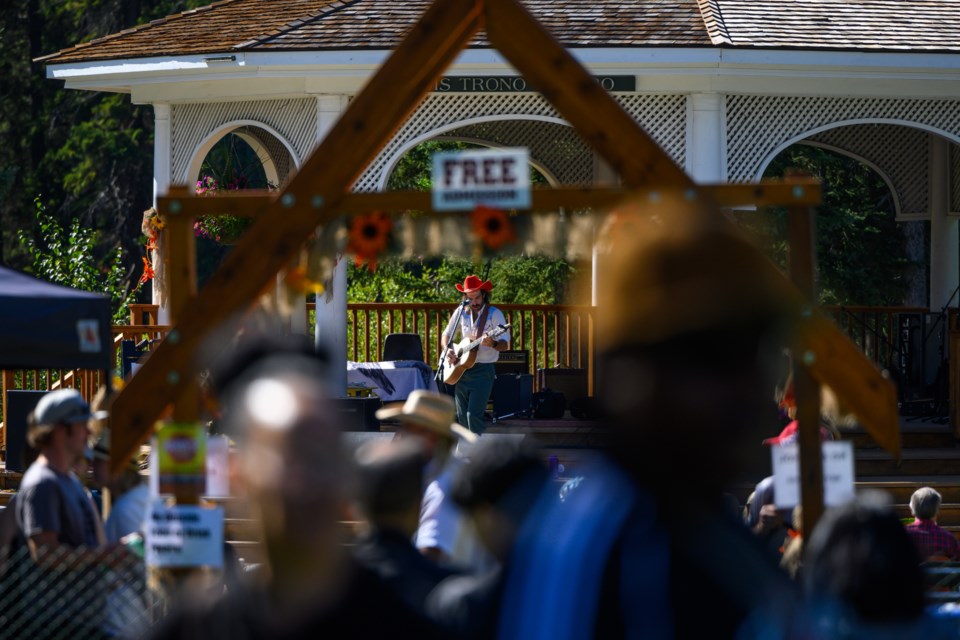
(496, 178)
(838, 481)
(183, 536)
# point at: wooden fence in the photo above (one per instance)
(553, 335)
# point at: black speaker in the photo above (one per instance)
(512, 362)
(512, 395)
(572, 383)
(549, 405)
(19, 406)
(358, 414)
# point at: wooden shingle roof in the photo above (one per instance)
(841, 24)
(232, 26)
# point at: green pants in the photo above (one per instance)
(472, 393)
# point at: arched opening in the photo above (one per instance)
(865, 256)
(235, 158)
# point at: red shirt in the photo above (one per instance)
(933, 540)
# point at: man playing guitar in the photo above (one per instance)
(474, 387)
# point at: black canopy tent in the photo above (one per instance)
(46, 326)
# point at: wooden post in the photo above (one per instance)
(182, 281)
(803, 263)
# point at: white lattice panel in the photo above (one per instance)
(663, 117)
(277, 153)
(900, 152)
(294, 119)
(756, 125)
(557, 147)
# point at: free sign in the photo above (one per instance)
(498, 178)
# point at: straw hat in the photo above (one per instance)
(681, 270)
(430, 410)
(473, 283)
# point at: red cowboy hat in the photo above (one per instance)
(790, 434)
(472, 283)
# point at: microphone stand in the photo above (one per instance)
(443, 352)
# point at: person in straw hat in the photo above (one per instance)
(687, 328)
(444, 533)
(477, 317)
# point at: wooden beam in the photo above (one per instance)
(803, 265)
(858, 384)
(764, 194)
(312, 196)
(568, 86)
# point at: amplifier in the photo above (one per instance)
(512, 362)
(358, 414)
(572, 383)
(512, 395)
(19, 406)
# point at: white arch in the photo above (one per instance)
(880, 172)
(438, 132)
(536, 164)
(845, 123)
(269, 165)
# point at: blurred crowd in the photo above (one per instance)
(463, 536)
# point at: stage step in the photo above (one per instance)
(913, 435)
(913, 462)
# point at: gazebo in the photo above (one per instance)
(722, 85)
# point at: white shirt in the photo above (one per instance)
(444, 526)
(468, 328)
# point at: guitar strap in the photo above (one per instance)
(482, 321)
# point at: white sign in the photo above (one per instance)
(838, 478)
(184, 536)
(88, 332)
(497, 178)
(218, 466)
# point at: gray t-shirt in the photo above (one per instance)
(51, 501)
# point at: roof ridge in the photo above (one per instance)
(713, 20)
(137, 29)
(296, 23)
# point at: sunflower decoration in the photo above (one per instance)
(492, 227)
(152, 224)
(368, 237)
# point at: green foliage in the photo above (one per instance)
(412, 172)
(90, 154)
(67, 255)
(860, 247)
(517, 280)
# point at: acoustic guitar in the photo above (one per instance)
(466, 352)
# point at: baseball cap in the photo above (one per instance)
(64, 405)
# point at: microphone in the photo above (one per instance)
(465, 303)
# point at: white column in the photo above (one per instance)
(161, 183)
(331, 331)
(603, 176)
(705, 143)
(944, 240)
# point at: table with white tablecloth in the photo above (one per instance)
(392, 381)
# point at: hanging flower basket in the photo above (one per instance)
(220, 229)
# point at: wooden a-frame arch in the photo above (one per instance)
(317, 193)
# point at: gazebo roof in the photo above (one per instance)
(233, 26)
